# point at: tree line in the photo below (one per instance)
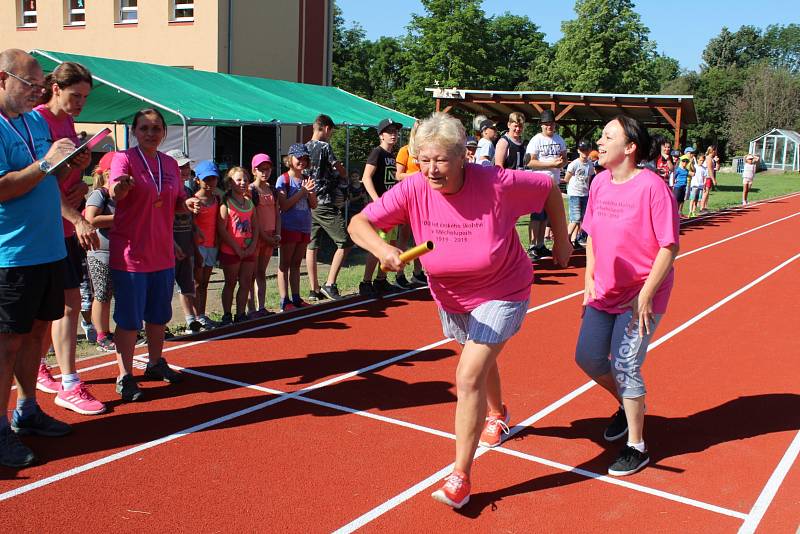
(749, 80)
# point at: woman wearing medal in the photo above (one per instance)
(147, 189)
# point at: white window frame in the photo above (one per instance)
(123, 8)
(28, 13)
(182, 4)
(77, 11)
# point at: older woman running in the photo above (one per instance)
(479, 274)
(632, 222)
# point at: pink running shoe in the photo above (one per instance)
(455, 491)
(496, 426)
(80, 400)
(45, 381)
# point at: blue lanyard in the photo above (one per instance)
(29, 141)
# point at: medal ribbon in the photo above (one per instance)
(152, 176)
(28, 142)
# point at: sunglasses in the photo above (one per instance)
(31, 85)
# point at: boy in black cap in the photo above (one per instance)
(579, 174)
(485, 153)
(548, 154)
(378, 177)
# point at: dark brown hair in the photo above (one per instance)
(149, 111)
(635, 133)
(66, 75)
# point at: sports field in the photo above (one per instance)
(340, 417)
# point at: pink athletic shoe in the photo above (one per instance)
(45, 381)
(80, 400)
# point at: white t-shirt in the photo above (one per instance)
(578, 185)
(749, 171)
(485, 148)
(699, 178)
(547, 149)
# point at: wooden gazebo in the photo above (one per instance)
(576, 113)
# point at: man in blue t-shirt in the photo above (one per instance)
(31, 249)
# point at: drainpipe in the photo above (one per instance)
(230, 39)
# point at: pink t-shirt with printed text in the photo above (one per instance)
(477, 256)
(141, 239)
(60, 128)
(629, 223)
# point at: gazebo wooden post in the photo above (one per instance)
(678, 127)
(438, 104)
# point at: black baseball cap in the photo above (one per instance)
(584, 145)
(487, 124)
(547, 116)
(471, 142)
(385, 123)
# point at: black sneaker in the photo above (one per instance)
(14, 453)
(240, 317)
(402, 281)
(533, 254)
(618, 426)
(544, 252)
(195, 327)
(40, 424)
(576, 245)
(227, 318)
(141, 339)
(628, 462)
(382, 286)
(419, 279)
(162, 371)
(315, 296)
(331, 291)
(128, 390)
(365, 289)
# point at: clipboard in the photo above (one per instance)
(89, 144)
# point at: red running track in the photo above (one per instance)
(276, 431)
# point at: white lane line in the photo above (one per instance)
(407, 494)
(771, 488)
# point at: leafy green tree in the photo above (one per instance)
(349, 49)
(385, 59)
(783, 45)
(740, 49)
(768, 100)
(606, 49)
(513, 44)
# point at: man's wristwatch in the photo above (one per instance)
(44, 166)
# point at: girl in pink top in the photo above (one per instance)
(269, 235)
(479, 274)
(145, 184)
(238, 232)
(68, 86)
(632, 222)
(206, 222)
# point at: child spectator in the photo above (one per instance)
(748, 173)
(379, 177)
(358, 195)
(237, 228)
(269, 235)
(206, 178)
(408, 165)
(579, 172)
(296, 199)
(472, 147)
(510, 150)
(183, 235)
(711, 176)
(696, 186)
(100, 214)
(484, 155)
(680, 182)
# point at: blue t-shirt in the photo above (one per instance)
(681, 177)
(31, 232)
(298, 217)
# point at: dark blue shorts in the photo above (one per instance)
(539, 216)
(142, 297)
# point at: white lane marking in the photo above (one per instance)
(771, 488)
(407, 494)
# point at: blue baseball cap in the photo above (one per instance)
(205, 169)
(689, 150)
(299, 150)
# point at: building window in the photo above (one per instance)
(28, 14)
(128, 12)
(76, 13)
(182, 10)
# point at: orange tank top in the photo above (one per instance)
(206, 221)
(239, 224)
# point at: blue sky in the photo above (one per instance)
(681, 28)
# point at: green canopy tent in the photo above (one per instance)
(199, 98)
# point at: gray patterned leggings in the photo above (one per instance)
(606, 344)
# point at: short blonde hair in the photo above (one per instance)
(516, 117)
(412, 145)
(442, 130)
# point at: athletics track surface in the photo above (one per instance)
(341, 418)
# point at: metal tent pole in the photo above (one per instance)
(241, 145)
(347, 170)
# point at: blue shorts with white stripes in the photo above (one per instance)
(490, 323)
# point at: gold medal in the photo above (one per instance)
(158, 203)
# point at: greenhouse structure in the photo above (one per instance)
(778, 149)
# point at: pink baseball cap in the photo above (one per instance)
(105, 162)
(258, 159)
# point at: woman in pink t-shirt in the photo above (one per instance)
(146, 187)
(632, 222)
(68, 86)
(479, 274)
